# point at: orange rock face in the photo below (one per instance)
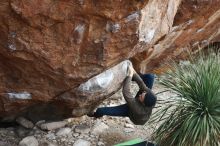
(196, 23)
(49, 47)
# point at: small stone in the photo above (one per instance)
(127, 120)
(53, 125)
(100, 143)
(72, 140)
(39, 123)
(81, 142)
(81, 136)
(75, 134)
(22, 131)
(82, 128)
(11, 132)
(77, 120)
(99, 127)
(129, 126)
(24, 122)
(50, 136)
(54, 140)
(63, 131)
(29, 141)
(36, 131)
(69, 136)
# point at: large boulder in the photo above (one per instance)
(48, 48)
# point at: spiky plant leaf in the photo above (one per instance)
(192, 117)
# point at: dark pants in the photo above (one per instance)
(122, 110)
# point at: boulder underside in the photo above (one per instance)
(48, 48)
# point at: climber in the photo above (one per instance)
(138, 108)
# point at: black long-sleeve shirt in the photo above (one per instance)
(138, 112)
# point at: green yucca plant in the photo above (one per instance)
(192, 116)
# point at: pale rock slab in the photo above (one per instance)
(81, 142)
(29, 141)
(63, 131)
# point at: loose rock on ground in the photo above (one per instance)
(81, 131)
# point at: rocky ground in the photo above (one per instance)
(83, 131)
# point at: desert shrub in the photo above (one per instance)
(192, 116)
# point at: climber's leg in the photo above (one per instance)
(148, 79)
(121, 111)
